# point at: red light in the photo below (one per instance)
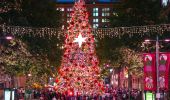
(70, 93)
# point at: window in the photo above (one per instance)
(69, 15)
(95, 20)
(115, 14)
(105, 20)
(69, 9)
(95, 14)
(57, 8)
(95, 11)
(95, 25)
(105, 9)
(105, 14)
(61, 9)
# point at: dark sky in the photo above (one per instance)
(73, 0)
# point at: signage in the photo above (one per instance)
(8, 94)
(150, 96)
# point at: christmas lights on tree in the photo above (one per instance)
(79, 71)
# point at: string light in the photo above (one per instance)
(100, 32)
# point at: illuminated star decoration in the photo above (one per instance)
(80, 40)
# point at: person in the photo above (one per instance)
(41, 97)
(54, 98)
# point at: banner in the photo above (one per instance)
(149, 71)
(164, 60)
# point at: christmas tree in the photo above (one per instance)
(79, 71)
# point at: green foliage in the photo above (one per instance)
(132, 13)
(44, 52)
(16, 60)
(45, 47)
(108, 49)
(41, 13)
(36, 13)
(137, 13)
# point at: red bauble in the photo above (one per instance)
(95, 81)
(99, 84)
(71, 22)
(83, 66)
(56, 80)
(70, 44)
(78, 78)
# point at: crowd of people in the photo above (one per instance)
(50, 94)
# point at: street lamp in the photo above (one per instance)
(7, 37)
(157, 62)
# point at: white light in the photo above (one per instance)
(29, 75)
(147, 40)
(9, 37)
(80, 40)
(111, 70)
(164, 2)
(167, 40)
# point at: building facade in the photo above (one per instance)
(99, 12)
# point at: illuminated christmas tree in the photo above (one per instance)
(79, 71)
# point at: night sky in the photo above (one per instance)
(73, 0)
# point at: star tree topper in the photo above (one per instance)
(80, 40)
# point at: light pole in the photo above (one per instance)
(157, 63)
(157, 67)
(5, 38)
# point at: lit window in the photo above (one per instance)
(61, 9)
(105, 20)
(68, 14)
(95, 20)
(115, 14)
(105, 14)
(95, 25)
(95, 14)
(105, 9)
(69, 9)
(95, 11)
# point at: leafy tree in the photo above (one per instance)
(41, 13)
(10, 12)
(35, 13)
(137, 13)
(41, 55)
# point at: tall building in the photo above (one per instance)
(99, 11)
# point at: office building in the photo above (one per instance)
(99, 11)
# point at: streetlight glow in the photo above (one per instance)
(9, 37)
(147, 40)
(167, 40)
